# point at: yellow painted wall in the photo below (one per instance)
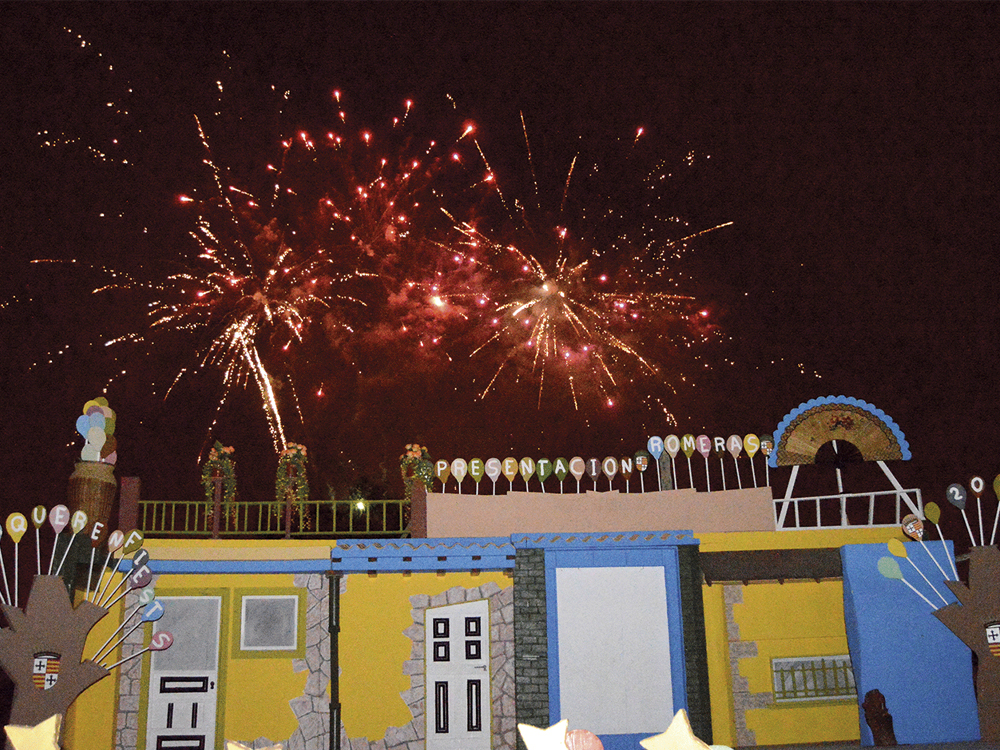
(719, 682)
(90, 721)
(797, 618)
(374, 612)
(245, 679)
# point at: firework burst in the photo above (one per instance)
(333, 247)
(583, 298)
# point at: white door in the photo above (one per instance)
(183, 679)
(457, 655)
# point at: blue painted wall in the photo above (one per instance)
(899, 648)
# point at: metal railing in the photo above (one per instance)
(813, 678)
(250, 519)
(848, 510)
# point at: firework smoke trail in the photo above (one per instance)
(576, 302)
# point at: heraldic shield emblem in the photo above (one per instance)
(993, 637)
(45, 670)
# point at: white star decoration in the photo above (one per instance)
(677, 737)
(230, 745)
(44, 736)
(553, 738)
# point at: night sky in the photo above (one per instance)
(853, 146)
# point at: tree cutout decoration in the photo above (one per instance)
(42, 651)
(976, 622)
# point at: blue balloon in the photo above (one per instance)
(153, 611)
(83, 424)
(655, 447)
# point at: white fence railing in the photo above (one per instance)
(851, 509)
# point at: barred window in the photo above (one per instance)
(813, 678)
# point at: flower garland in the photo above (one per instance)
(219, 464)
(291, 483)
(416, 465)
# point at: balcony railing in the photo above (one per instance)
(242, 519)
(849, 510)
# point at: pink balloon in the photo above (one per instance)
(161, 640)
(704, 445)
(116, 540)
(59, 517)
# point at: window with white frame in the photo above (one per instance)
(269, 623)
(813, 678)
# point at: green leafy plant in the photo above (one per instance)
(415, 465)
(291, 484)
(220, 465)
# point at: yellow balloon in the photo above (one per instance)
(896, 547)
(17, 524)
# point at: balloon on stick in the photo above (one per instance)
(655, 447)
(913, 527)
(76, 523)
(672, 444)
(115, 540)
(956, 496)
(161, 640)
(3, 568)
(38, 514)
(137, 579)
(766, 447)
(95, 541)
(561, 471)
(996, 517)
(897, 548)
(58, 518)
(751, 444)
(130, 544)
(17, 524)
(704, 446)
(642, 463)
(544, 469)
(889, 568)
(148, 595)
(932, 512)
(977, 486)
(577, 467)
(735, 447)
(138, 561)
(687, 446)
(720, 452)
(152, 612)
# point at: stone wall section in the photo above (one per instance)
(532, 653)
(502, 697)
(130, 680)
(743, 699)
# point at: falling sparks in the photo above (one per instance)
(583, 302)
(351, 258)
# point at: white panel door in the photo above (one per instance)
(457, 657)
(183, 679)
(614, 649)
